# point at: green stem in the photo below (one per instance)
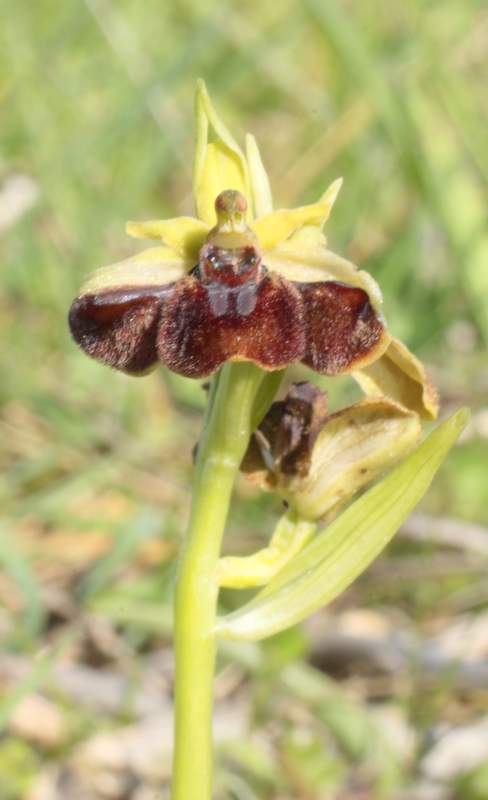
(224, 442)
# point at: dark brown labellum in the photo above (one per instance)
(205, 325)
(229, 308)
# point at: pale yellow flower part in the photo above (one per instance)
(153, 267)
(401, 376)
(276, 227)
(302, 259)
(313, 234)
(185, 235)
(289, 537)
(262, 199)
(219, 165)
(219, 161)
(355, 446)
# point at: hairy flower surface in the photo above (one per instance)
(240, 282)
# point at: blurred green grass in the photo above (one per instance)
(96, 110)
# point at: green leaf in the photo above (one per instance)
(341, 552)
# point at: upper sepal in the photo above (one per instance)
(219, 161)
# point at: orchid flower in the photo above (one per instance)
(240, 282)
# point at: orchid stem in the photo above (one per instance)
(229, 423)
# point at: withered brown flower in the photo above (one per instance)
(317, 462)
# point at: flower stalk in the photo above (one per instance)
(224, 442)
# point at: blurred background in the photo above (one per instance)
(384, 694)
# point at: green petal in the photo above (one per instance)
(219, 161)
(185, 235)
(332, 561)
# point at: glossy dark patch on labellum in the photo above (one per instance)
(228, 267)
(229, 307)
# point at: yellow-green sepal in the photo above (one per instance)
(277, 226)
(184, 235)
(260, 187)
(155, 266)
(219, 161)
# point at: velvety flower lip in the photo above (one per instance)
(230, 306)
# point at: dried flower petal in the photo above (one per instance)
(318, 462)
(355, 446)
(286, 436)
(401, 376)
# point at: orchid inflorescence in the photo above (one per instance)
(241, 282)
